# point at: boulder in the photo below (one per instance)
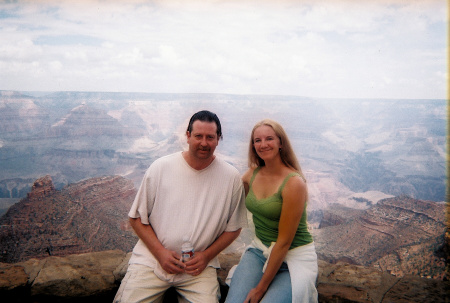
(95, 277)
(90, 276)
(78, 275)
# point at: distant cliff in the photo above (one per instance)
(351, 146)
(88, 216)
(400, 235)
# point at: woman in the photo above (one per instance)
(281, 263)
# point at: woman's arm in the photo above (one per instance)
(246, 177)
(294, 198)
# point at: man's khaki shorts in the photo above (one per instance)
(140, 284)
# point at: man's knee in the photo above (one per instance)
(140, 284)
(203, 288)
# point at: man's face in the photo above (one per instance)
(203, 139)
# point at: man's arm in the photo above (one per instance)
(169, 260)
(201, 259)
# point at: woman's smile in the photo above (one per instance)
(266, 141)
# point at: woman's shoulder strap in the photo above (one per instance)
(254, 175)
(287, 178)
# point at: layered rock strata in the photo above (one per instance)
(399, 235)
(87, 216)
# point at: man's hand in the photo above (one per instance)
(197, 264)
(170, 262)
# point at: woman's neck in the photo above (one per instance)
(274, 166)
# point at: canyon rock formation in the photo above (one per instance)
(352, 146)
(400, 235)
(88, 216)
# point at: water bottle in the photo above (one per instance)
(187, 250)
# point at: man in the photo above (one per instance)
(189, 194)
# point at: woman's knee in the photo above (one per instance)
(280, 290)
(247, 275)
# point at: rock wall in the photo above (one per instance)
(95, 277)
(401, 235)
(87, 216)
(41, 188)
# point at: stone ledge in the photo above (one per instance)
(95, 277)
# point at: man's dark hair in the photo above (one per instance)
(206, 116)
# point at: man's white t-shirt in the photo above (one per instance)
(180, 201)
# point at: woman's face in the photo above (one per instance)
(266, 143)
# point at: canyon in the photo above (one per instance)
(348, 147)
(70, 163)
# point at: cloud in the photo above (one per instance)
(379, 49)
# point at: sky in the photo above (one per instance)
(318, 49)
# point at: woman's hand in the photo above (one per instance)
(254, 296)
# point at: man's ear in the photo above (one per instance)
(188, 136)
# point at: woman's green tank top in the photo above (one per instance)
(266, 215)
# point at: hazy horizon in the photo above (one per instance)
(47, 93)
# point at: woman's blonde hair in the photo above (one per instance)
(286, 152)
